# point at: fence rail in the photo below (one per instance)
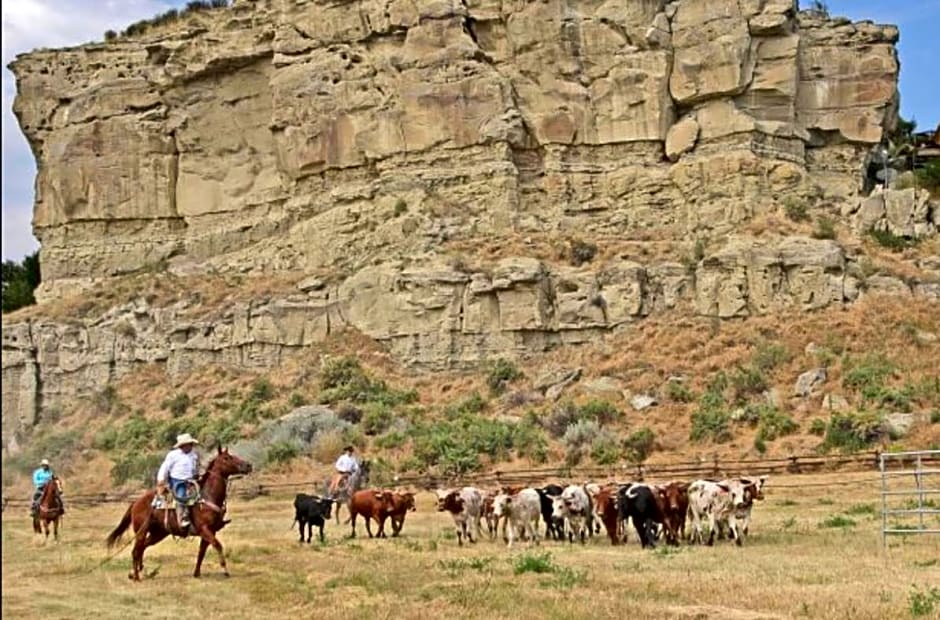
(916, 463)
(714, 468)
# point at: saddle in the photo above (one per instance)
(169, 501)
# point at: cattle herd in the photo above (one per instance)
(573, 512)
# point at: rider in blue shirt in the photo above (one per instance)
(41, 478)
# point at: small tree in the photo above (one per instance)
(19, 280)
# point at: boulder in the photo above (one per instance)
(681, 138)
(643, 401)
(809, 381)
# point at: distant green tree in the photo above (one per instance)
(19, 280)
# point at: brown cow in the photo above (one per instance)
(605, 505)
(401, 504)
(371, 504)
(675, 504)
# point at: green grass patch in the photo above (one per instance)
(837, 521)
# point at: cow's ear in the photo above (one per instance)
(725, 488)
(683, 486)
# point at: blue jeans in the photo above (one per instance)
(179, 488)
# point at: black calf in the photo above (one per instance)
(310, 510)
(554, 528)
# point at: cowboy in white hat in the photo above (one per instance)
(41, 478)
(180, 467)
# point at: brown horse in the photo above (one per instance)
(50, 509)
(151, 525)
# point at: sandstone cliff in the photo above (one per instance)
(368, 139)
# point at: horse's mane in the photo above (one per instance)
(205, 474)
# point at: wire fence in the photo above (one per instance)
(714, 469)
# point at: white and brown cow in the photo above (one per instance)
(574, 506)
(465, 506)
(720, 503)
(757, 493)
(523, 511)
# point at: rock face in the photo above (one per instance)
(362, 138)
(280, 135)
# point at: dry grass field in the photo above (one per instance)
(814, 552)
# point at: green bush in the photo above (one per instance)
(178, 404)
(639, 445)
(456, 445)
(796, 210)
(501, 373)
(473, 403)
(713, 424)
(869, 372)
(711, 420)
(770, 355)
(929, 177)
(773, 424)
(818, 427)
(581, 252)
(678, 392)
(281, 452)
(605, 450)
(391, 440)
(825, 228)
(747, 381)
(343, 379)
(377, 419)
(935, 417)
(600, 410)
(110, 35)
(923, 602)
(853, 432)
(261, 390)
(401, 207)
(760, 445)
(891, 241)
(297, 400)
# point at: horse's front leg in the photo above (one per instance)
(203, 545)
(55, 529)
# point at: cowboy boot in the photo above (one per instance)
(182, 516)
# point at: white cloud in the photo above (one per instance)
(31, 24)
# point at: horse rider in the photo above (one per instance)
(178, 471)
(346, 466)
(41, 478)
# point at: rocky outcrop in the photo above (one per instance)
(433, 317)
(283, 135)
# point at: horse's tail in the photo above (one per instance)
(125, 523)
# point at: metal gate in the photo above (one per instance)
(910, 493)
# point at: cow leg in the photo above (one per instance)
(712, 526)
(352, 520)
(368, 521)
(512, 535)
(300, 527)
(733, 527)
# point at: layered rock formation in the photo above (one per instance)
(363, 137)
(281, 134)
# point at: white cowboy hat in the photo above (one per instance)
(185, 438)
(44, 462)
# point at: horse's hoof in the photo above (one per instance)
(196, 575)
(226, 574)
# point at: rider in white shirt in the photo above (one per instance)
(346, 465)
(180, 466)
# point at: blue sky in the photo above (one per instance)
(28, 24)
